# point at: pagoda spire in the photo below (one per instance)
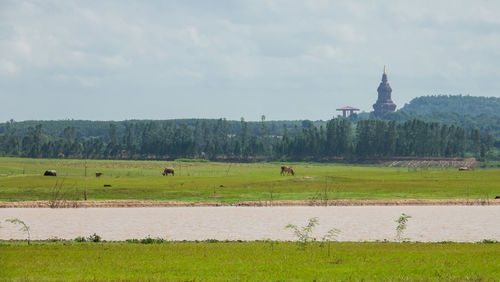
(384, 75)
(384, 102)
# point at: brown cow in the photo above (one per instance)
(97, 174)
(168, 170)
(287, 169)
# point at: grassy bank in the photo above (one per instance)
(21, 180)
(249, 261)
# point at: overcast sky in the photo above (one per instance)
(285, 59)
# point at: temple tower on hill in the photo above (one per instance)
(384, 103)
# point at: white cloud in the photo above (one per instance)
(343, 32)
(324, 52)
(8, 68)
(116, 61)
(237, 50)
(317, 5)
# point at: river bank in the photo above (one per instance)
(278, 203)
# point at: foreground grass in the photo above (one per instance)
(21, 179)
(249, 261)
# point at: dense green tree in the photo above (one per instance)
(475, 137)
(32, 142)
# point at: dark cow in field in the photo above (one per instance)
(50, 173)
(287, 169)
(168, 170)
(97, 174)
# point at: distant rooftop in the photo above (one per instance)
(347, 108)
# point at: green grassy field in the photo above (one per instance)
(21, 179)
(249, 261)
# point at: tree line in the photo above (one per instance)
(221, 139)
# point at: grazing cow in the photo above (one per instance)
(497, 197)
(50, 173)
(283, 169)
(168, 170)
(97, 174)
(463, 168)
(287, 169)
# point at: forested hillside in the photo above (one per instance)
(463, 105)
(468, 112)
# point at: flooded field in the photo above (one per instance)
(368, 223)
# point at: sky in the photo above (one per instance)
(284, 59)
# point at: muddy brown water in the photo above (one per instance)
(366, 223)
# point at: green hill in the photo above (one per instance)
(465, 111)
(463, 105)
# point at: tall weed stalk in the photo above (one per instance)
(402, 221)
(24, 227)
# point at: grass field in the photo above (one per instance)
(249, 261)
(21, 179)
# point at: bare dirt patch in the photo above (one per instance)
(141, 203)
(431, 162)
